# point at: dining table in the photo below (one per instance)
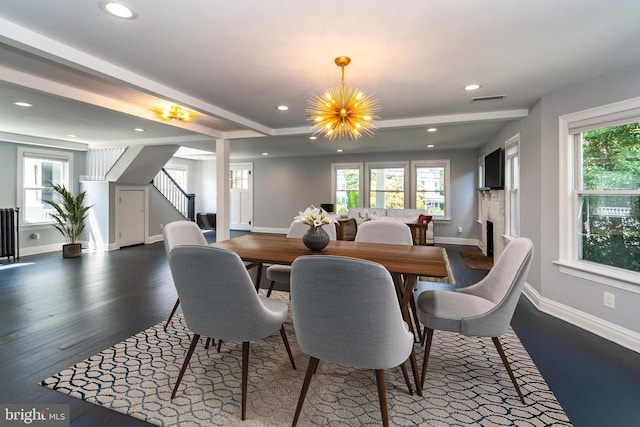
(405, 262)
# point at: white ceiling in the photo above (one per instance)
(98, 77)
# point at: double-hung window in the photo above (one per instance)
(431, 184)
(346, 184)
(37, 171)
(512, 186)
(603, 190)
(388, 185)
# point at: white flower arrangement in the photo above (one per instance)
(314, 217)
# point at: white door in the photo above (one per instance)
(241, 197)
(131, 217)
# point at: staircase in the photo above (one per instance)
(183, 201)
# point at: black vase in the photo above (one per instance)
(316, 239)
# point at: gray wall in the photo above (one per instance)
(539, 204)
(285, 186)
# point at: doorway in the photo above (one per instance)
(131, 218)
(241, 196)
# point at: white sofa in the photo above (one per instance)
(408, 216)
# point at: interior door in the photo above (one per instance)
(131, 217)
(241, 197)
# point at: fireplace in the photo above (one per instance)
(489, 239)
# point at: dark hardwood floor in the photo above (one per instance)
(55, 312)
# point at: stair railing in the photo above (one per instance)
(171, 190)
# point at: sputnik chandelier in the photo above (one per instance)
(175, 112)
(343, 112)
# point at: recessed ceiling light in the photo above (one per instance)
(432, 129)
(139, 129)
(473, 86)
(430, 146)
(22, 104)
(282, 107)
(118, 9)
(72, 135)
(339, 150)
(265, 154)
(313, 137)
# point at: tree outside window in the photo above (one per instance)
(39, 171)
(386, 187)
(608, 196)
(347, 191)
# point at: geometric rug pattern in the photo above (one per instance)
(466, 384)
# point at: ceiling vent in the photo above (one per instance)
(490, 98)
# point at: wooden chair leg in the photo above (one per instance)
(427, 349)
(414, 312)
(273, 283)
(283, 334)
(175, 307)
(414, 369)
(219, 345)
(245, 374)
(311, 368)
(194, 343)
(382, 396)
(503, 356)
(207, 342)
(405, 373)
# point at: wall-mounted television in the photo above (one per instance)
(494, 169)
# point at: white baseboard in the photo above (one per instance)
(269, 230)
(35, 250)
(456, 241)
(154, 239)
(588, 322)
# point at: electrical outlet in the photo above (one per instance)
(459, 229)
(609, 300)
(161, 226)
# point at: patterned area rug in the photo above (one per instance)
(466, 384)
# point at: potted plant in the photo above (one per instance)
(70, 217)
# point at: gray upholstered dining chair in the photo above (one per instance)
(277, 273)
(178, 233)
(333, 301)
(484, 309)
(219, 300)
(380, 231)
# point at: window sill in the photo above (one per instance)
(613, 277)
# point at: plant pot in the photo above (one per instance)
(72, 250)
(316, 239)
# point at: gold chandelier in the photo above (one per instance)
(175, 112)
(343, 112)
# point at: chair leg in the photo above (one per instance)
(219, 345)
(273, 283)
(194, 343)
(207, 342)
(405, 373)
(414, 312)
(283, 334)
(503, 356)
(414, 369)
(382, 396)
(311, 368)
(427, 349)
(245, 374)
(175, 307)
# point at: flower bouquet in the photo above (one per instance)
(315, 238)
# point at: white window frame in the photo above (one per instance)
(44, 154)
(512, 194)
(335, 167)
(385, 165)
(446, 164)
(604, 116)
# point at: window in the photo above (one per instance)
(346, 184)
(512, 186)
(180, 174)
(430, 183)
(602, 160)
(37, 170)
(239, 178)
(387, 185)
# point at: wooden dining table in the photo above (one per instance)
(405, 263)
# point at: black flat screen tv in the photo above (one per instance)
(494, 169)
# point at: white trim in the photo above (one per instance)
(446, 163)
(511, 151)
(404, 164)
(355, 165)
(589, 323)
(270, 230)
(614, 277)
